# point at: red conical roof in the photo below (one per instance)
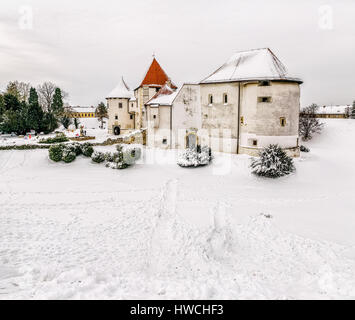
(155, 75)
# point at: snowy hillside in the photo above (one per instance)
(160, 231)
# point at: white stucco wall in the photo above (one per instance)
(186, 113)
(124, 120)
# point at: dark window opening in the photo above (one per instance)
(264, 99)
(225, 98)
(255, 143)
(283, 122)
(120, 105)
(154, 117)
(264, 83)
(131, 116)
(116, 117)
(165, 141)
(210, 99)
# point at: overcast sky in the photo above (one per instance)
(85, 46)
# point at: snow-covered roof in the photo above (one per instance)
(121, 91)
(165, 96)
(257, 64)
(83, 109)
(333, 109)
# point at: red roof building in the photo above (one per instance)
(155, 76)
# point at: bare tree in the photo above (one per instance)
(46, 93)
(24, 90)
(309, 123)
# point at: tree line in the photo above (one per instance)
(24, 108)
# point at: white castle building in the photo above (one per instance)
(248, 103)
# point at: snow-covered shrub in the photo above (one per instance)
(59, 138)
(122, 159)
(98, 157)
(304, 149)
(131, 155)
(273, 162)
(195, 157)
(69, 154)
(87, 149)
(56, 152)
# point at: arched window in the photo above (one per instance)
(191, 140)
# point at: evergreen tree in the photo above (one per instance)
(352, 114)
(101, 113)
(57, 107)
(11, 102)
(273, 162)
(2, 107)
(49, 123)
(35, 113)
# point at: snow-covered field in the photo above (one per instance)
(156, 230)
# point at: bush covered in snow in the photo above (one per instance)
(60, 138)
(87, 149)
(195, 157)
(273, 162)
(304, 149)
(122, 159)
(56, 153)
(98, 157)
(69, 154)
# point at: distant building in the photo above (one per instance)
(82, 112)
(336, 112)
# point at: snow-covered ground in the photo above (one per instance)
(156, 230)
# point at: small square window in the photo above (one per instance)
(154, 117)
(120, 105)
(283, 122)
(165, 141)
(116, 117)
(255, 143)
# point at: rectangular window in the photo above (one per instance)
(131, 116)
(283, 122)
(116, 117)
(225, 98)
(165, 141)
(264, 99)
(120, 105)
(154, 117)
(241, 120)
(264, 83)
(255, 143)
(210, 99)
